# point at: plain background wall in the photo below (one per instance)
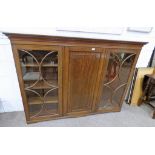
(10, 98)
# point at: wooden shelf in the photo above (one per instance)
(34, 76)
(43, 85)
(45, 113)
(43, 65)
(31, 76)
(37, 100)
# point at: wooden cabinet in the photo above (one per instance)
(66, 77)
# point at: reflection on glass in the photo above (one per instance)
(40, 76)
(117, 74)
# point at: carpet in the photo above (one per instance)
(130, 116)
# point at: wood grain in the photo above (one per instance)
(83, 71)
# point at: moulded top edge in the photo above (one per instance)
(67, 38)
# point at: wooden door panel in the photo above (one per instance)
(83, 68)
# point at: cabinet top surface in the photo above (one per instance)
(33, 37)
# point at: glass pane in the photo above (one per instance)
(40, 76)
(117, 74)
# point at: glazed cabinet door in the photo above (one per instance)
(81, 73)
(115, 78)
(40, 78)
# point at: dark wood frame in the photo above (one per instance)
(148, 86)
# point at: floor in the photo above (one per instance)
(129, 116)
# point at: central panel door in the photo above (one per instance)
(82, 66)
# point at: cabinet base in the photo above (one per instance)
(36, 120)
